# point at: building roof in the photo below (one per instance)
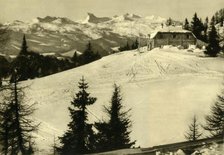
(170, 29)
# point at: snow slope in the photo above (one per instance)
(164, 88)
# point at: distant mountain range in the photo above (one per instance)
(62, 36)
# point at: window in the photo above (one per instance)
(188, 36)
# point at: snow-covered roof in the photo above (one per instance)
(170, 29)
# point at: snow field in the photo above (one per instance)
(163, 87)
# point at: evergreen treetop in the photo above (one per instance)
(169, 22)
(219, 15)
(82, 98)
(186, 24)
(114, 134)
(193, 134)
(197, 27)
(89, 55)
(213, 47)
(206, 24)
(24, 46)
(79, 138)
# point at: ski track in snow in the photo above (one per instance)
(164, 88)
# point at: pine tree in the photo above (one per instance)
(216, 18)
(193, 134)
(89, 55)
(135, 45)
(213, 47)
(114, 134)
(169, 22)
(16, 124)
(215, 120)
(221, 22)
(197, 27)
(23, 126)
(79, 138)
(127, 47)
(4, 68)
(206, 24)
(21, 63)
(205, 36)
(6, 116)
(5, 122)
(75, 59)
(186, 25)
(24, 46)
(212, 22)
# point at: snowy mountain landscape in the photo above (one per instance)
(85, 77)
(171, 86)
(60, 35)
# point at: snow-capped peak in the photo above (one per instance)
(34, 21)
(91, 18)
(55, 20)
(17, 22)
(126, 17)
(155, 18)
(132, 15)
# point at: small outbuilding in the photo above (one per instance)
(181, 37)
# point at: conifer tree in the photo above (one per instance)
(193, 134)
(219, 15)
(213, 47)
(114, 134)
(186, 24)
(197, 27)
(135, 44)
(24, 46)
(169, 22)
(216, 18)
(79, 138)
(206, 24)
(75, 59)
(127, 47)
(21, 63)
(16, 126)
(89, 55)
(6, 116)
(205, 36)
(221, 22)
(215, 120)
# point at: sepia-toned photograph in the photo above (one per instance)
(111, 77)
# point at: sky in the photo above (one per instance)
(77, 9)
